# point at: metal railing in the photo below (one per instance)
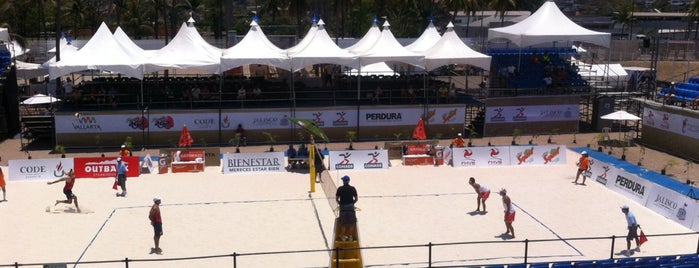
(430, 250)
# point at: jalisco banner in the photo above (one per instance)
(671, 204)
(252, 120)
(104, 167)
(533, 113)
(253, 162)
(358, 159)
(489, 156)
(668, 203)
(39, 169)
(679, 124)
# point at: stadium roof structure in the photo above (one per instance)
(449, 49)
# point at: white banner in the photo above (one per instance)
(602, 172)
(253, 162)
(410, 116)
(538, 155)
(39, 169)
(481, 156)
(532, 113)
(673, 205)
(150, 165)
(358, 159)
(330, 118)
(679, 124)
(631, 186)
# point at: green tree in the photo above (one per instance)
(502, 6)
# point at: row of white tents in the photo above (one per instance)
(116, 52)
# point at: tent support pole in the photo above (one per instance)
(359, 92)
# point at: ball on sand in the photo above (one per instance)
(77, 115)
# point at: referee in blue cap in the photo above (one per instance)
(346, 196)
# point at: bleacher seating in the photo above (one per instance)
(674, 261)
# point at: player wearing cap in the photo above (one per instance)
(459, 141)
(633, 229)
(124, 152)
(583, 165)
(509, 212)
(482, 191)
(121, 176)
(157, 223)
(346, 196)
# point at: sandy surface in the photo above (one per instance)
(210, 213)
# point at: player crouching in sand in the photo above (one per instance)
(68, 190)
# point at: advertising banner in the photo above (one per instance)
(602, 172)
(212, 155)
(410, 116)
(325, 118)
(278, 119)
(491, 156)
(631, 186)
(39, 169)
(253, 162)
(149, 163)
(538, 155)
(104, 167)
(532, 113)
(679, 124)
(673, 205)
(358, 159)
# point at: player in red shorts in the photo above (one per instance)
(509, 212)
(482, 191)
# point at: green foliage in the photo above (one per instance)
(128, 142)
(59, 149)
(270, 138)
(351, 136)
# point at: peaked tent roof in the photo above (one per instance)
(547, 25)
(367, 41)
(187, 50)
(129, 46)
(387, 48)
(305, 41)
(379, 68)
(451, 50)
(29, 70)
(101, 52)
(426, 40)
(255, 48)
(67, 51)
(321, 50)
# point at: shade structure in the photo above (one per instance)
(185, 138)
(621, 116)
(40, 99)
(311, 127)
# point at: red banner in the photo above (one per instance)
(186, 156)
(104, 167)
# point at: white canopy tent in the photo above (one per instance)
(12, 45)
(40, 99)
(548, 25)
(451, 50)
(67, 51)
(28, 70)
(254, 48)
(187, 50)
(101, 52)
(321, 50)
(427, 39)
(305, 41)
(379, 68)
(130, 47)
(388, 49)
(367, 41)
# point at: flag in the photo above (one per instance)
(419, 132)
(186, 138)
(311, 127)
(115, 184)
(642, 239)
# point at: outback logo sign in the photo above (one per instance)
(630, 185)
(374, 162)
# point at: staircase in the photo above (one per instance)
(345, 254)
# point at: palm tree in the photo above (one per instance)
(623, 14)
(468, 6)
(502, 6)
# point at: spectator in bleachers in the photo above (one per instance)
(670, 95)
(196, 93)
(535, 59)
(411, 94)
(241, 93)
(452, 93)
(376, 98)
(256, 93)
(443, 94)
(511, 70)
(548, 81)
(67, 88)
